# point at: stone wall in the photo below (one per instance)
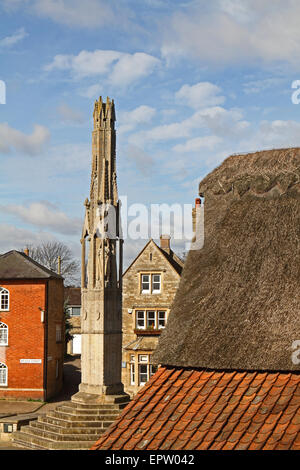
(138, 342)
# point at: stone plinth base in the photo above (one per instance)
(115, 389)
(94, 399)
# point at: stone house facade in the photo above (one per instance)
(149, 287)
(31, 328)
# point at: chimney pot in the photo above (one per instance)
(26, 251)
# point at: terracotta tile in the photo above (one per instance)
(228, 446)
(247, 438)
(241, 446)
(216, 445)
(255, 446)
(282, 446)
(296, 419)
(183, 409)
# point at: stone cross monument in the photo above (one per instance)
(101, 276)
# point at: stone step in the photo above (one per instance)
(81, 425)
(53, 435)
(89, 411)
(81, 417)
(30, 441)
(70, 430)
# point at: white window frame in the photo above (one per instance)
(146, 291)
(148, 326)
(4, 293)
(145, 362)
(132, 369)
(156, 291)
(139, 318)
(160, 327)
(143, 316)
(70, 311)
(3, 367)
(151, 282)
(4, 327)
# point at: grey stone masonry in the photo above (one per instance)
(70, 426)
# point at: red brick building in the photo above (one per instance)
(31, 328)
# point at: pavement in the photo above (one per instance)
(16, 410)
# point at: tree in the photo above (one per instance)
(48, 254)
(68, 325)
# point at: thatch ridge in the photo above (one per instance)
(238, 302)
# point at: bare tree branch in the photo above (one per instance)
(48, 253)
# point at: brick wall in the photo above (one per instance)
(55, 347)
(25, 339)
(27, 335)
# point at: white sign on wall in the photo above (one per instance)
(30, 361)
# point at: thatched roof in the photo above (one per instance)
(238, 302)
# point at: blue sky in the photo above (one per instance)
(193, 82)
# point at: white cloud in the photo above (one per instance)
(132, 67)
(69, 115)
(200, 95)
(85, 64)
(9, 41)
(273, 134)
(227, 31)
(220, 121)
(128, 120)
(259, 86)
(198, 143)
(16, 238)
(12, 139)
(88, 14)
(45, 215)
(92, 91)
(120, 69)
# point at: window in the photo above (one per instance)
(162, 319)
(58, 333)
(145, 284)
(4, 299)
(74, 311)
(140, 320)
(151, 319)
(57, 369)
(3, 374)
(151, 283)
(146, 369)
(132, 369)
(156, 283)
(3, 334)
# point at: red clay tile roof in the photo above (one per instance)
(188, 409)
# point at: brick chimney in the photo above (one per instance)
(197, 206)
(165, 243)
(26, 251)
